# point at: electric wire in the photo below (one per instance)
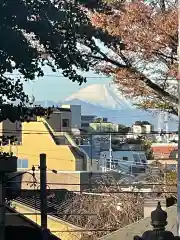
(92, 134)
(93, 77)
(97, 184)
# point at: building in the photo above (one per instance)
(61, 229)
(103, 127)
(60, 120)
(75, 115)
(86, 120)
(123, 161)
(164, 150)
(139, 227)
(140, 127)
(50, 136)
(18, 226)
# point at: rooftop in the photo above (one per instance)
(57, 208)
(143, 225)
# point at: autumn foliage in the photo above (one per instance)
(143, 59)
(110, 206)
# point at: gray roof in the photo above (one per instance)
(143, 225)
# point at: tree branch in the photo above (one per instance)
(156, 87)
(143, 78)
(105, 58)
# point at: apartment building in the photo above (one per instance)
(45, 135)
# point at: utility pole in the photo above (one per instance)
(8, 164)
(43, 195)
(2, 206)
(178, 170)
(91, 163)
(110, 152)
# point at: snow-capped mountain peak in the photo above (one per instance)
(103, 95)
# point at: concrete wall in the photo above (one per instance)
(54, 225)
(55, 181)
(35, 140)
(72, 181)
(66, 115)
(56, 121)
(7, 128)
(75, 115)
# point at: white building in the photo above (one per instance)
(142, 127)
(126, 161)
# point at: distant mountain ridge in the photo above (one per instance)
(102, 101)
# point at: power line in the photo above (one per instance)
(87, 230)
(89, 134)
(59, 159)
(95, 77)
(100, 184)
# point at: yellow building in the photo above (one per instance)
(43, 136)
(61, 229)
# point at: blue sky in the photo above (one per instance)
(53, 86)
(58, 88)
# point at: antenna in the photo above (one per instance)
(166, 126)
(32, 96)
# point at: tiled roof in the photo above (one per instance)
(138, 228)
(55, 208)
(163, 151)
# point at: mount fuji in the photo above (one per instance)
(102, 95)
(106, 101)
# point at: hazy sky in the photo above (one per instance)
(55, 87)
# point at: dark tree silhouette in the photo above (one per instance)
(35, 33)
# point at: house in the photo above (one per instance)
(126, 161)
(164, 150)
(140, 127)
(18, 226)
(56, 209)
(45, 135)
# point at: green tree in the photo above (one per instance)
(35, 33)
(146, 144)
(123, 128)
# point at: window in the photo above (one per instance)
(22, 163)
(65, 122)
(125, 158)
